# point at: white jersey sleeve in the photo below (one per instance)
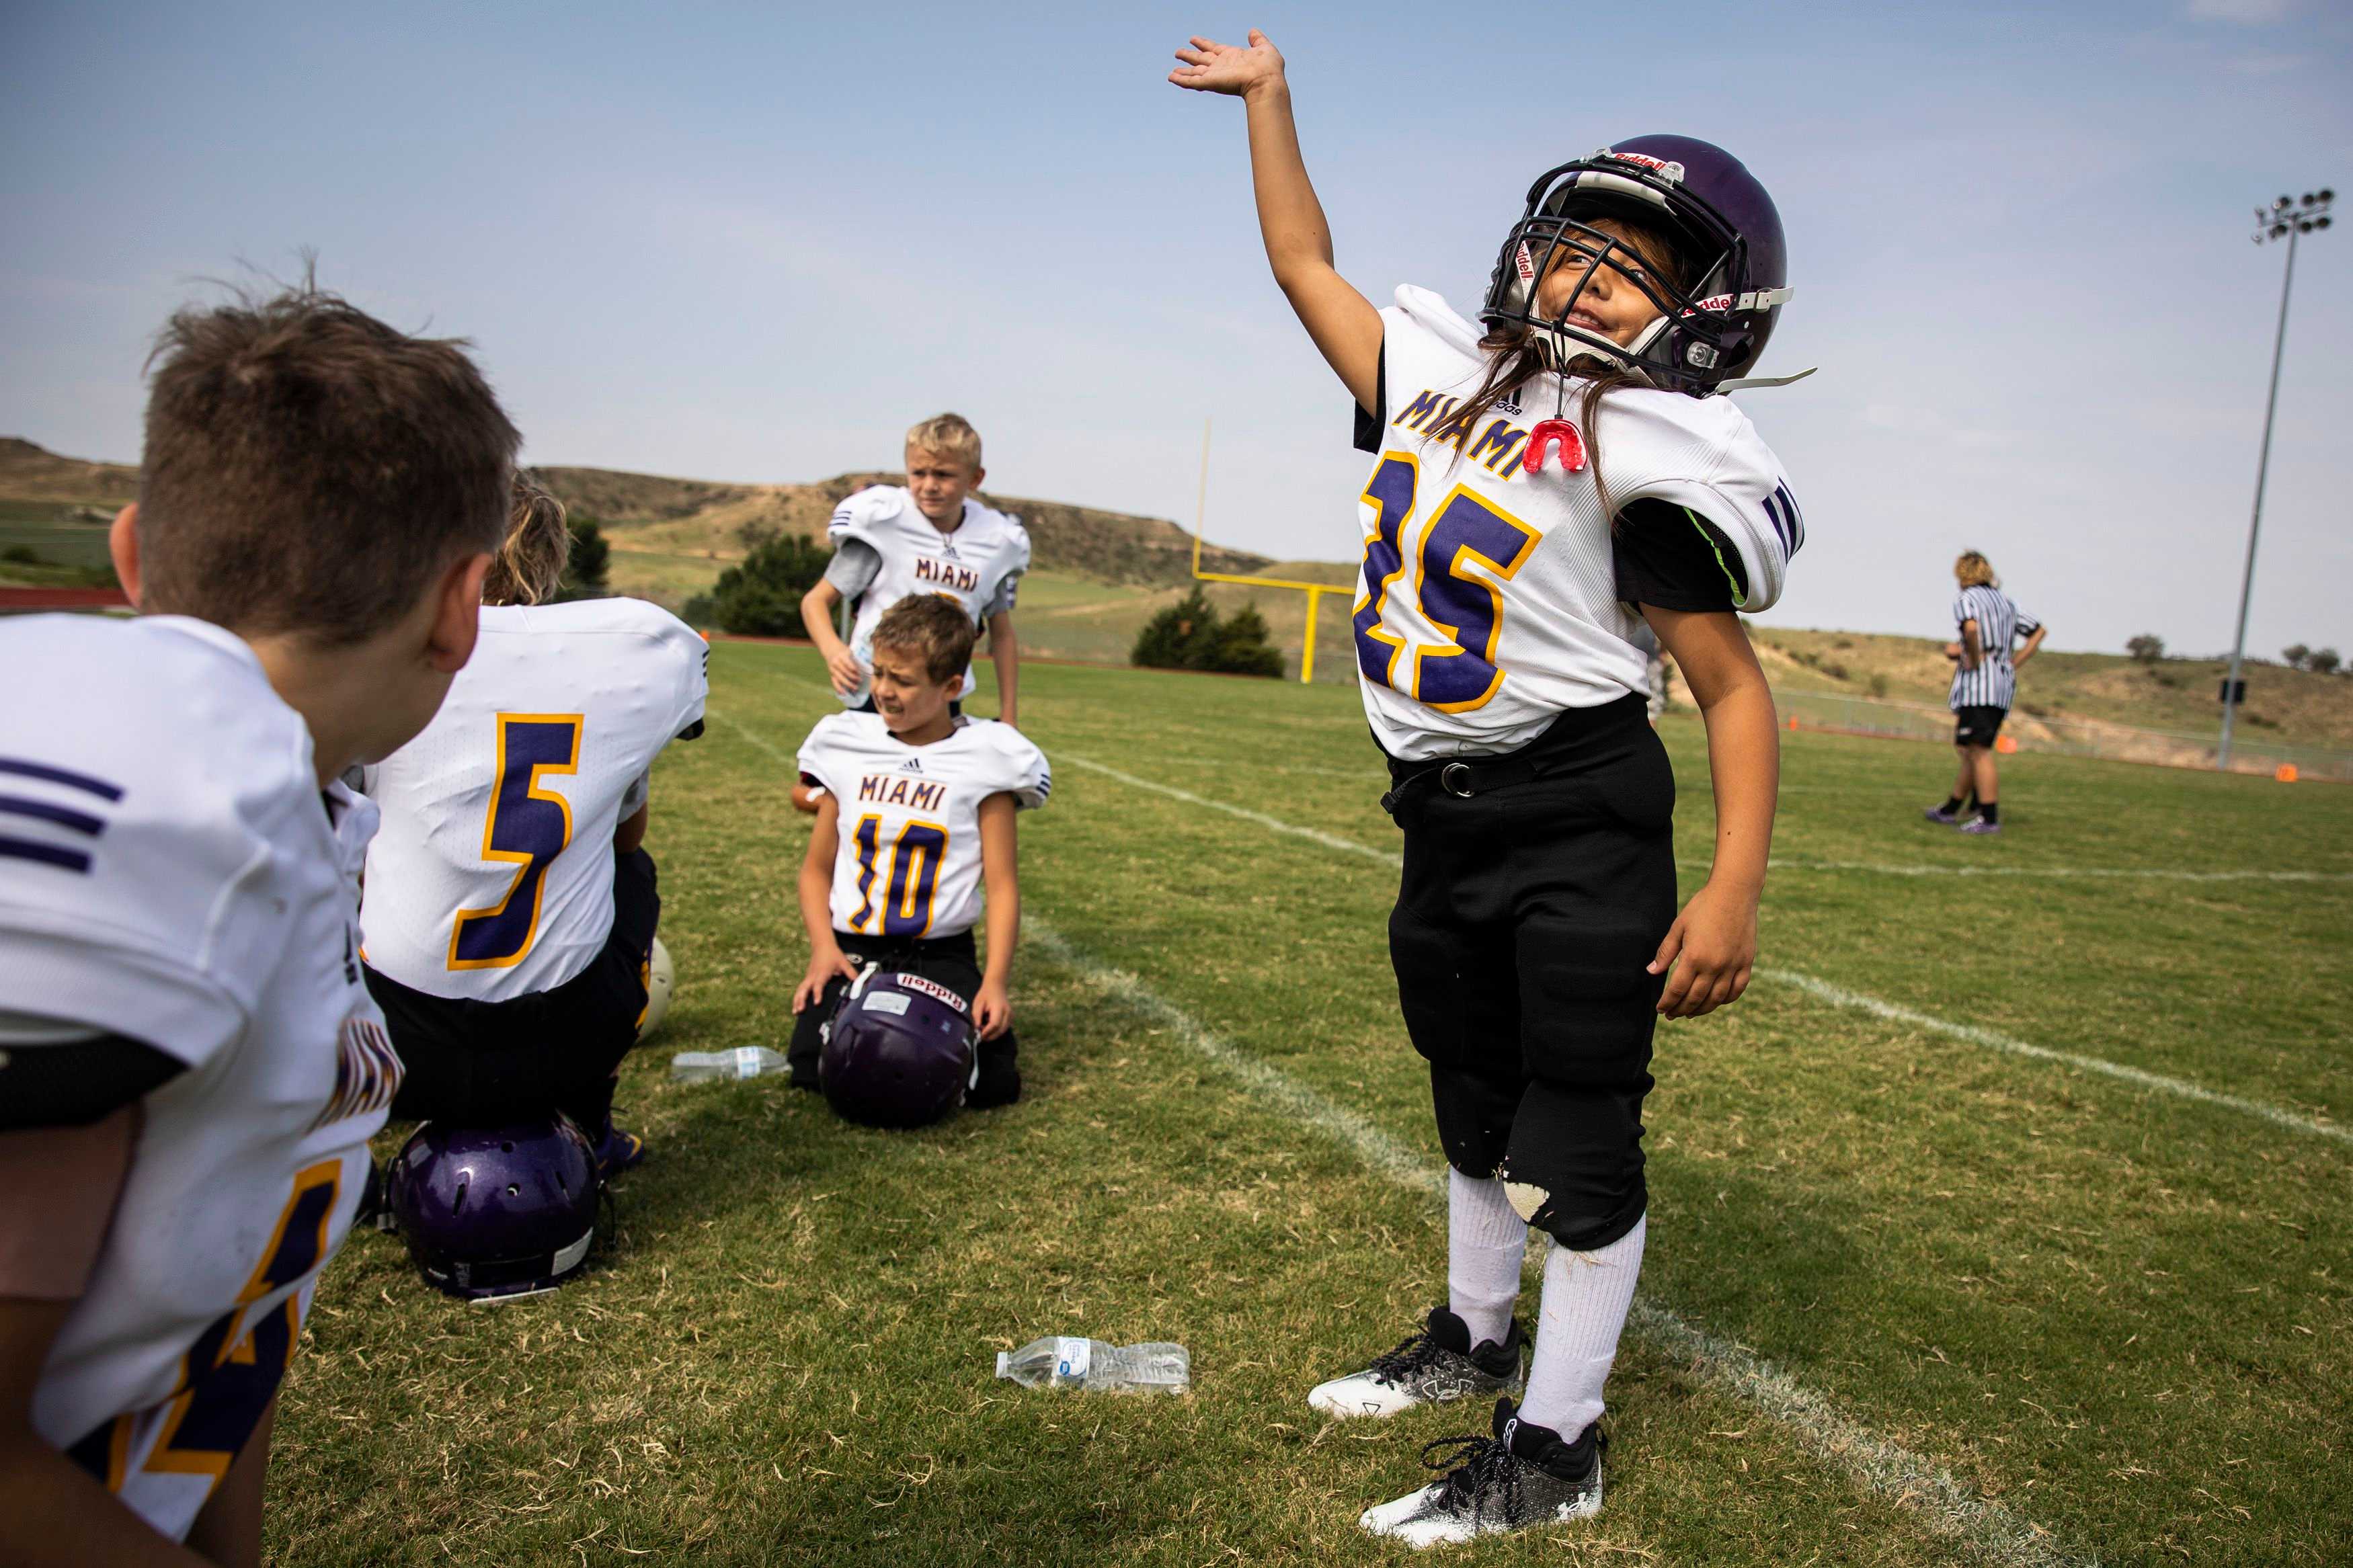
(170, 869)
(123, 851)
(908, 859)
(493, 876)
(1488, 601)
(1703, 454)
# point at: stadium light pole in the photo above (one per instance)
(2283, 219)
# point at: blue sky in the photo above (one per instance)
(756, 242)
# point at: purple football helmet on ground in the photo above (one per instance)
(1723, 224)
(491, 1213)
(900, 1051)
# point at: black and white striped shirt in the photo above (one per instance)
(1993, 683)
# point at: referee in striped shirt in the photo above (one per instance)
(1985, 683)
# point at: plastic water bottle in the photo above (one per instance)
(743, 1061)
(1064, 1362)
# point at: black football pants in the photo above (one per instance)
(483, 1064)
(1526, 919)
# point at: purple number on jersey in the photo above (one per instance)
(1457, 673)
(228, 1379)
(527, 826)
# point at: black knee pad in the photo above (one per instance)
(1474, 1118)
(1573, 1163)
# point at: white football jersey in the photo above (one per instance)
(968, 565)
(909, 860)
(493, 875)
(170, 871)
(1488, 602)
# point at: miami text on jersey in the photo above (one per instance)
(1431, 415)
(947, 573)
(915, 794)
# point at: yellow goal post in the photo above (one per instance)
(1314, 591)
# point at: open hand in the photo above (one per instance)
(1712, 946)
(1212, 66)
(822, 968)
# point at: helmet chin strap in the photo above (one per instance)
(1561, 350)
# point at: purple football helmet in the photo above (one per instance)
(900, 1051)
(496, 1212)
(1723, 224)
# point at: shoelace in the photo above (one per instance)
(1475, 1464)
(1410, 1354)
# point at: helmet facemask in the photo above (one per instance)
(1705, 330)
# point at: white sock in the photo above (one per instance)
(1484, 1243)
(1585, 1297)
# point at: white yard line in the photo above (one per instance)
(1823, 989)
(1919, 1485)
(2120, 873)
(1994, 1040)
(1272, 824)
(754, 736)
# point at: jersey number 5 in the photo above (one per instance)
(527, 828)
(914, 856)
(1454, 670)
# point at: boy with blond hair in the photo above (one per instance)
(915, 837)
(190, 1064)
(926, 536)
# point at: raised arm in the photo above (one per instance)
(1345, 327)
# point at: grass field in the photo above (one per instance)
(1912, 1294)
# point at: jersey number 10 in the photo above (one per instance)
(1456, 671)
(527, 828)
(914, 857)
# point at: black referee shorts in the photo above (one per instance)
(954, 963)
(1524, 922)
(478, 1064)
(1977, 724)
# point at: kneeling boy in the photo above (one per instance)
(510, 904)
(916, 819)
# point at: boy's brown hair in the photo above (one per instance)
(529, 567)
(934, 627)
(309, 469)
(948, 435)
(1974, 571)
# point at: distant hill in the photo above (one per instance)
(676, 517)
(31, 473)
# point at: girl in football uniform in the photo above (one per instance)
(1544, 483)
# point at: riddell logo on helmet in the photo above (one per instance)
(1525, 264)
(1659, 165)
(1712, 303)
(933, 989)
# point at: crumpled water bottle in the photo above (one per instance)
(743, 1061)
(1065, 1363)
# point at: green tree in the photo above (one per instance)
(2148, 647)
(762, 597)
(1191, 635)
(585, 570)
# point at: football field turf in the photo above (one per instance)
(2005, 1220)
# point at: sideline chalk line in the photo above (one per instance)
(1989, 1038)
(1916, 1485)
(1994, 1040)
